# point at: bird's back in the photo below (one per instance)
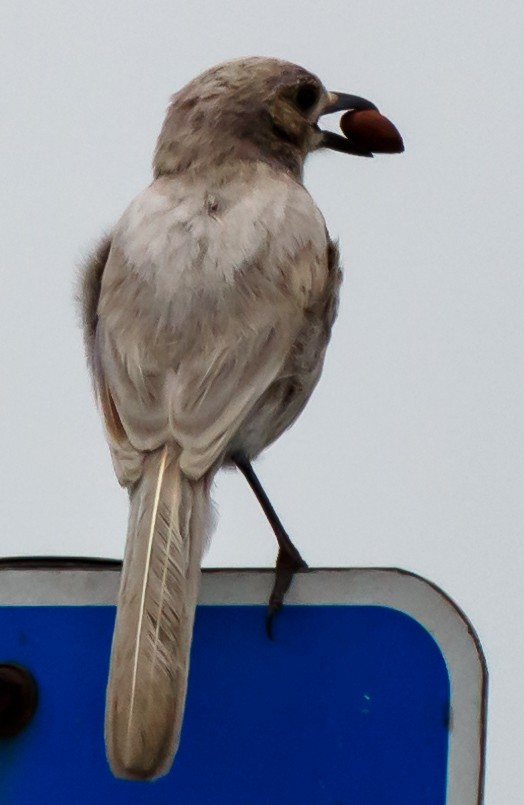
(205, 276)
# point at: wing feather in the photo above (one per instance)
(189, 346)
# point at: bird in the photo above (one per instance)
(206, 310)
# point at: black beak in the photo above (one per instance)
(341, 102)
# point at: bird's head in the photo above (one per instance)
(254, 108)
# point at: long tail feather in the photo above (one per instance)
(151, 643)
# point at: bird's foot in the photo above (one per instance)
(288, 563)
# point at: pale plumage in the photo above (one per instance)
(207, 311)
(159, 587)
(195, 339)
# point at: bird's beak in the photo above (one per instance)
(341, 102)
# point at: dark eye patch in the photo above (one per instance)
(306, 97)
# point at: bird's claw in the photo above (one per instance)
(287, 565)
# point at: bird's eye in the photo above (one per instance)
(306, 97)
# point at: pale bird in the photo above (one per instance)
(207, 311)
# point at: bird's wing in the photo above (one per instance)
(212, 395)
(188, 348)
(127, 460)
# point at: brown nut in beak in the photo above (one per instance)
(370, 131)
(366, 130)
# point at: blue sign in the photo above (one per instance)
(349, 705)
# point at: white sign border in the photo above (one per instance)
(78, 582)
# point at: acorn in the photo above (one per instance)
(371, 131)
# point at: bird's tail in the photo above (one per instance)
(146, 690)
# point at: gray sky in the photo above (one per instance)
(411, 451)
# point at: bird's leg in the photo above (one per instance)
(289, 560)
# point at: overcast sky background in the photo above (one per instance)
(411, 452)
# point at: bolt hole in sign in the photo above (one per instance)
(372, 692)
